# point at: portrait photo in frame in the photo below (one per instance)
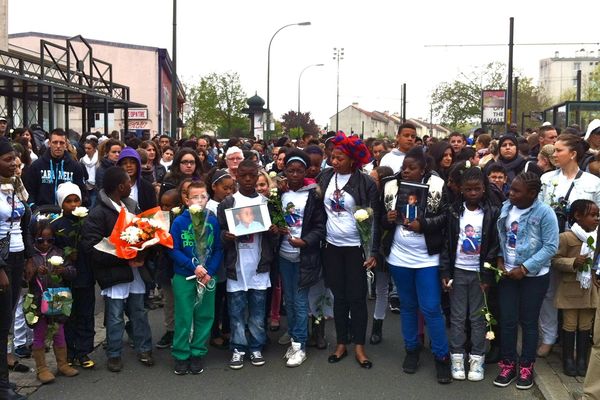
(248, 219)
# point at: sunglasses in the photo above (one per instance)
(41, 240)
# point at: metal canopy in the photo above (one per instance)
(67, 75)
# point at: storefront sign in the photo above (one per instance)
(138, 113)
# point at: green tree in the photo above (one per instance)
(458, 103)
(297, 124)
(530, 98)
(216, 104)
(592, 88)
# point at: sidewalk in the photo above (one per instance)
(553, 384)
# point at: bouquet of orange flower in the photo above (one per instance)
(133, 233)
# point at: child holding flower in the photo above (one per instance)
(79, 328)
(470, 219)
(194, 298)
(51, 270)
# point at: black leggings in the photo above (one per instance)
(346, 276)
(8, 301)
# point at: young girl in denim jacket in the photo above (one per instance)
(525, 263)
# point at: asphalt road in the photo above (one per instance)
(315, 379)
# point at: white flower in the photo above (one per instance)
(488, 317)
(131, 235)
(361, 215)
(468, 164)
(155, 224)
(555, 182)
(176, 210)
(490, 335)
(80, 212)
(195, 208)
(487, 265)
(273, 192)
(56, 260)
(272, 174)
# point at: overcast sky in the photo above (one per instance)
(384, 41)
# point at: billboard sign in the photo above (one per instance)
(493, 107)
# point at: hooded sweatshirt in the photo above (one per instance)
(47, 172)
(146, 195)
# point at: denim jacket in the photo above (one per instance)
(537, 239)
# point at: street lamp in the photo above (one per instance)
(299, 78)
(338, 54)
(269, 71)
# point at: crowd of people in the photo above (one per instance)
(467, 238)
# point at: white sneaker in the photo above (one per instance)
(458, 366)
(257, 359)
(290, 350)
(297, 357)
(237, 359)
(476, 367)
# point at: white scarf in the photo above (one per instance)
(585, 278)
(90, 165)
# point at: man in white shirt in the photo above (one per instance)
(405, 140)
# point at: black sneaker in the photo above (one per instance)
(196, 365)
(166, 341)
(114, 364)
(146, 358)
(525, 379)
(442, 368)
(182, 367)
(394, 305)
(22, 352)
(507, 374)
(411, 361)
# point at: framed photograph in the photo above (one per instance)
(249, 219)
(412, 201)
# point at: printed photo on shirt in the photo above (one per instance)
(337, 201)
(511, 234)
(291, 216)
(247, 220)
(470, 240)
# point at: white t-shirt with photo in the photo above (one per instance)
(293, 204)
(468, 248)
(341, 225)
(249, 252)
(409, 250)
(511, 232)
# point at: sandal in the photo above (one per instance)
(18, 367)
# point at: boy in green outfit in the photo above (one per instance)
(194, 270)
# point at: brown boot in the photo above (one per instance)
(61, 362)
(43, 372)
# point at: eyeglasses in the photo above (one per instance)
(235, 159)
(41, 240)
(188, 162)
(200, 197)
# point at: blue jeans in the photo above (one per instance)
(520, 303)
(115, 324)
(419, 288)
(254, 302)
(296, 301)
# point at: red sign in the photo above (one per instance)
(138, 113)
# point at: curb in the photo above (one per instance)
(549, 383)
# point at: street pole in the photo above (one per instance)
(403, 102)
(299, 78)
(515, 112)
(509, 117)
(268, 130)
(338, 54)
(174, 75)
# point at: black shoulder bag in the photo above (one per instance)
(5, 241)
(561, 209)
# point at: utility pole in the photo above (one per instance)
(508, 117)
(174, 92)
(403, 102)
(338, 54)
(516, 96)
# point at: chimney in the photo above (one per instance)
(556, 54)
(4, 25)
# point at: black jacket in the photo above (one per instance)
(364, 191)
(146, 195)
(432, 225)
(313, 232)
(489, 240)
(46, 173)
(108, 270)
(268, 243)
(156, 175)
(104, 164)
(65, 228)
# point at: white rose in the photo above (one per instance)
(272, 174)
(490, 335)
(488, 317)
(273, 191)
(468, 164)
(80, 212)
(176, 210)
(361, 215)
(487, 265)
(195, 208)
(555, 182)
(56, 260)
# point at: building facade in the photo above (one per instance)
(558, 75)
(146, 70)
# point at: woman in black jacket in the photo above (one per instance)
(344, 188)
(14, 222)
(108, 155)
(299, 251)
(186, 164)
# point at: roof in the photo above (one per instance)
(92, 41)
